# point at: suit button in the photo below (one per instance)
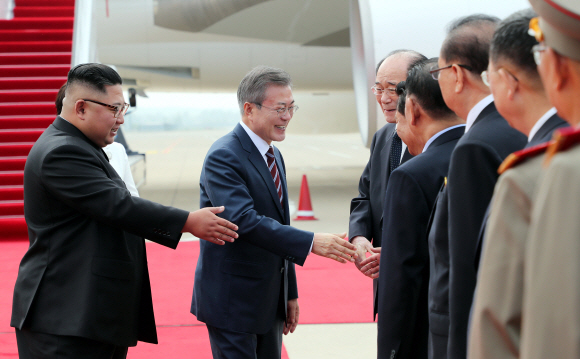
(282, 270)
(393, 352)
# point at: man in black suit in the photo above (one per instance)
(431, 130)
(387, 152)
(517, 89)
(255, 276)
(473, 168)
(83, 286)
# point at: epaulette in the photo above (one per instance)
(563, 139)
(522, 155)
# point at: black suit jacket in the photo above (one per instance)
(84, 274)
(545, 132)
(404, 270)
(241, 285)
(472, 177)
(366, 210)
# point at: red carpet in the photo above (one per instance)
(330, 292)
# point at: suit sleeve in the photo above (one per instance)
(360, 207)
(472, 177)
(76, 177)
(404, 260)
(496, 319)
(224, 184)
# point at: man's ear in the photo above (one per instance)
(80, 109)
(414, 111)
(248, 109)
(459, 77)
(512, 85)
(561, 69)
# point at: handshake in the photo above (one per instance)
(205, 224)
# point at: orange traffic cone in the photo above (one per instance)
(305, 212)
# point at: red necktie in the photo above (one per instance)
(274, 172)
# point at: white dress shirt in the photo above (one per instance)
(434, 137)
(476, 110)
(551, 112)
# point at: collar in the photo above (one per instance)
(434, 137)
(476, 110)
(551, 112)
(258, 141)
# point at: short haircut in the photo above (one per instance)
(426, 90)
(402, 97)
(414, 57)
(96, 76)
(253, 86)
(468, 40)
(59, 98)
(511, 42)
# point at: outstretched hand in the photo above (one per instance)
(204, 224)
(370, 266)
(333, 246)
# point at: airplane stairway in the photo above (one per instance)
(35, 57)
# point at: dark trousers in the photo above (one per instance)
(34, 345)
(226, 344)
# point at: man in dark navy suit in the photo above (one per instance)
(246, 293)
(472, 175)
(517, 89)
(431, 130)
(387, 152)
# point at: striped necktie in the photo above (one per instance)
(274, 172)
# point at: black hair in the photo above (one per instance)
(94, 75)
(402, 97)
(468, 40)
(512, 42)
(426, 90)
(59, 98)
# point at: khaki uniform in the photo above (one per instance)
(496, 318)
(551, 328)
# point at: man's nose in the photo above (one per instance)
(385, 98)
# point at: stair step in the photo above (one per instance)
(13, 163)
(32, 83)
(29, 135)
(37, 35)
(38, 23)
(11, 193)
(26, 108)
(11, 149)
(35, 46)
(44, 3)
(13, 228)
(11, 208)
(26, 122)
(43, 11)
(34, 58)
(27, 95)
(11, 178)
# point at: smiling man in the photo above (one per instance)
(255, 277)
(387, 152)
(83, 285)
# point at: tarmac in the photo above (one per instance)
(332, 163)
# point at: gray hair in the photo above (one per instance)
(253, 86)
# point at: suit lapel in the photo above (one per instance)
(257, 160)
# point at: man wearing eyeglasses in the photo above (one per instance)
(386, 153)
(83, 285)
(550, 319)
(246, 293)
(520, 96)
(472, 175)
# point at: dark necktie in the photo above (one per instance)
(274, 172)
(395, 157)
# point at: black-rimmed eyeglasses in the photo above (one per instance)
(435, 70)
(119, 110)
